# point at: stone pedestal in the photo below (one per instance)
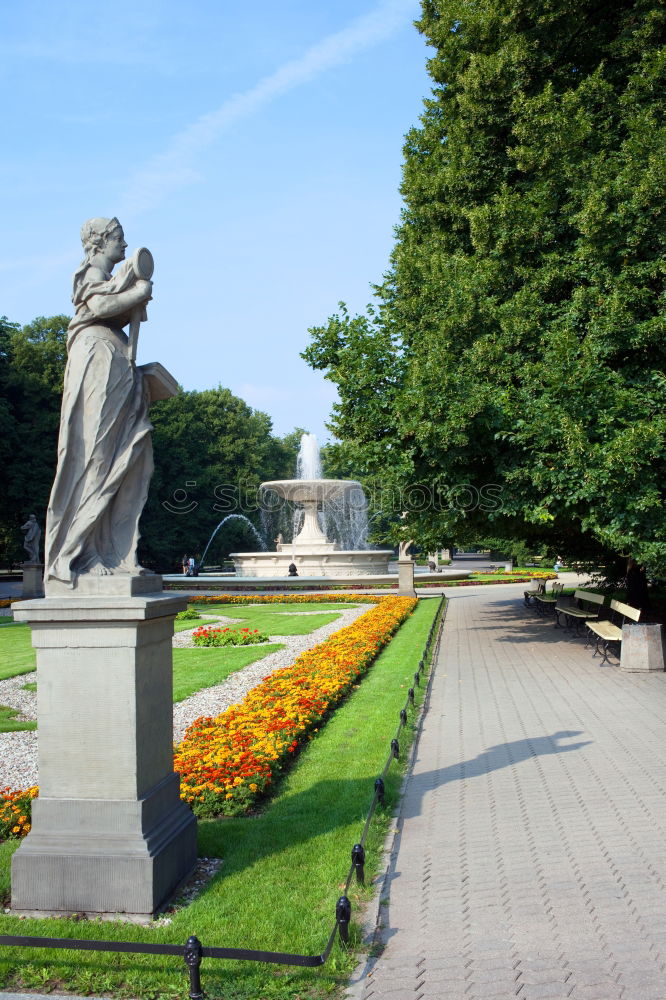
(110, 833)
(642, 648)
(33, 580)
(406, 578)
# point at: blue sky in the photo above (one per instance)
(255, 148)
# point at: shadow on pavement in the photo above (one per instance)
(493, 759)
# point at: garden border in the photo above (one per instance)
(193, 952)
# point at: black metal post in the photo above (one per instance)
(358, 861)
(411, 695)
(395, 748)
(379, 789)
(343, 916)
(193, 955)
(403, 716)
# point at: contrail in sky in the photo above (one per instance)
(174, 168)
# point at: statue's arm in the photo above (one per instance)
(116, 303)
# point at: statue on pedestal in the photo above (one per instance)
(105, 456)
(31, 541)
(110, 834)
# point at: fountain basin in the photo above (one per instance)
(335, 563)
(309, 490)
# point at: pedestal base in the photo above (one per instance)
(33, 580)
(406, 578)
(642, 648)
(103, 857)
(109, 832)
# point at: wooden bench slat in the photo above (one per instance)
(606, 630)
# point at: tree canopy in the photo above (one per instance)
(32, 364)
(518, 344)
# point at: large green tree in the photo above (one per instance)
(519, 338)
(32, 364)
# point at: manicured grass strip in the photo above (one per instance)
(202, 667)
(282, 870)
(477, 581)
(191, 623)
(10, 724)
(266, 620)
(16, 653)
(286, 607)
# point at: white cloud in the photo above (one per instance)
(176, 165)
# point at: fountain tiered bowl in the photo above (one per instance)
(313, 554)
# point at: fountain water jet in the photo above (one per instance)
(233, 517)
(311, 550)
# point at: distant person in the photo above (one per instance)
(191, 566)
(185, 563)
(293, 570)
(637, 586)
(558, 564)
(432, 566)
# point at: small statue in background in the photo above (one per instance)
(33, 533)
(403, 549)
(278, 542)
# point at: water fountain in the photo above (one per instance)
(233, 517)
(311, 550)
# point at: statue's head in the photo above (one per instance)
(96, 232)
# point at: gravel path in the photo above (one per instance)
(18, 751)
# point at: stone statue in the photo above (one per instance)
(278, 542)
(403, 549)
(31, 541)
(105, 457)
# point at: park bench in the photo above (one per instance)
(603, 633)
(545, 602)
(584, 606)
(536, 588)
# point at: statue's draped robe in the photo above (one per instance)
(105, 457)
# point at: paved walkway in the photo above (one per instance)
(530, 860)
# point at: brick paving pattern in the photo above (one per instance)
(530, 860)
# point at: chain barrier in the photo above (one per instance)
(194, 952)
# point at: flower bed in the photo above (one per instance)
(15, 811)
(228, 762)
(217, 636)
(288, 599)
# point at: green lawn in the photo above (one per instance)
(16, 653)
(202, 667)
(238, 610)
(287, 620)
(283, 869)
(182, 626)
(10, 724)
